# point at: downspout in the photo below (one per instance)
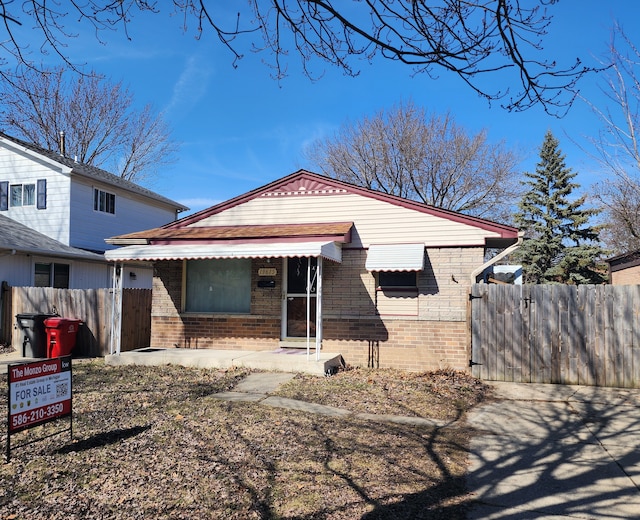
(500, 256)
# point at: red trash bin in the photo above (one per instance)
(61, 336)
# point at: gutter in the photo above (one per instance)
(489, 263)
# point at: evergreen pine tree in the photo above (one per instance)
(560, 246)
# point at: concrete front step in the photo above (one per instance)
(281, 360)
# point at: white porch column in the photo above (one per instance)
(319, 308)
(116, 309)
(308, 307)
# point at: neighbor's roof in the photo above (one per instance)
(92, 172)
(624, 261)
(15, 236)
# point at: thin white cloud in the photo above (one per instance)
(190, 87)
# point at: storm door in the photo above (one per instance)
(300, 304)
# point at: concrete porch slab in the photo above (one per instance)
(281, 360)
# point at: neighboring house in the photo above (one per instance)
(389, 278)
(624, 269)
(29, 258)
(76, 205)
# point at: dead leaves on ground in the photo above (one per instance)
(153, 442)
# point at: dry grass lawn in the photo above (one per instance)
(153, 443)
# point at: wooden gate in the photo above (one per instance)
(567, 334)
(93, 307)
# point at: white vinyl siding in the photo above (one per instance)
(374, 221)
(21, 169)
(19, 271)
(89, 228)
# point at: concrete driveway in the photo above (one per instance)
(552, 452)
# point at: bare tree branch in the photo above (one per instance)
(100, 125)
(617, 146)
(469, 38)
(404, 152)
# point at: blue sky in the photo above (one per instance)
(240, 129)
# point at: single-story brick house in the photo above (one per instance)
(382, 280)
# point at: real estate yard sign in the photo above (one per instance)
(39, 392)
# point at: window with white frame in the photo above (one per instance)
(51, 275)
(25, 194)
(218, 285)
(104, 201)
(22, 195)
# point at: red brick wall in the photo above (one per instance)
(434, 339)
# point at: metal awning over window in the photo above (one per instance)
(395, 257)
(329, 250)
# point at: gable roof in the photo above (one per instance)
(15, 236)
(304, 183)
(88, 171)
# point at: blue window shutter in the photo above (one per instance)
(4, 195)
(42, 193)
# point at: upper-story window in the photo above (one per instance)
(26, 194)
(22, 195)
(104, 201)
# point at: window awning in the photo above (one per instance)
(395, 257)
(329, 250)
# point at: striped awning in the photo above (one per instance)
(329, 250)
(395, 257)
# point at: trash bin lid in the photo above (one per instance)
(31, 315)
(58, 322)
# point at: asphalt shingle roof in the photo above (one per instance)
(21, 238)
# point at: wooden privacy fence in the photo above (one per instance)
(94, 308)
(567, 334)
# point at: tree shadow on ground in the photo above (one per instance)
(103, 439)
(572, 452)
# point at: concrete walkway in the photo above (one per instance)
(258, 387)
(553, 452)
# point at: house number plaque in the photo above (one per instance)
(267, 271)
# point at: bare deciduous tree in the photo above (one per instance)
(470, 38)
(617, 145)
(101, 126)
(429, 158)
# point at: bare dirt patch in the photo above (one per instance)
(153, 442)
